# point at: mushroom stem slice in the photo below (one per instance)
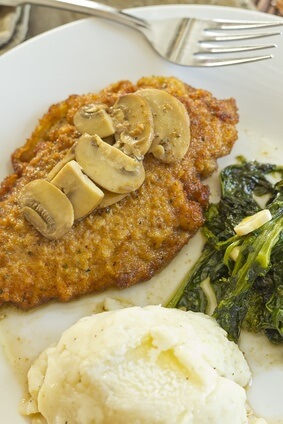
(47, 208)
(133, 123)
(80, 190)
(171, 125)
(93, 119)
(108, 166)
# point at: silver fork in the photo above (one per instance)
(184, 41)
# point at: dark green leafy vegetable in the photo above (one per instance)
(246, 292)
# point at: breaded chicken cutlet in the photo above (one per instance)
(129, 241)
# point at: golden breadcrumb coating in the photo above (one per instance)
(128, 242)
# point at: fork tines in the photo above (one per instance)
(217, 32)
(212, 35)
(212, 48)
(231, 24)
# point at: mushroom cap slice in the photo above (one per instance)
(133, 122)
(93, 119)
(80, 190)
(171, 125)
(47, 208)
(108, 166)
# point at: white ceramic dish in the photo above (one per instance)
(86, 56)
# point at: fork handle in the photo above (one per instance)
(92, 8)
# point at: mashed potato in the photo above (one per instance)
(141, 366)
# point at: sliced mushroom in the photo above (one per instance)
(133, 122)
(70, 155)
(47, 208)
(110, 198)
(171, 125)
(108, 166)
(80, 190)
(93, 119)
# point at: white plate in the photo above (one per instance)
(86, 56)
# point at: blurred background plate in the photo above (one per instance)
(13, 26)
